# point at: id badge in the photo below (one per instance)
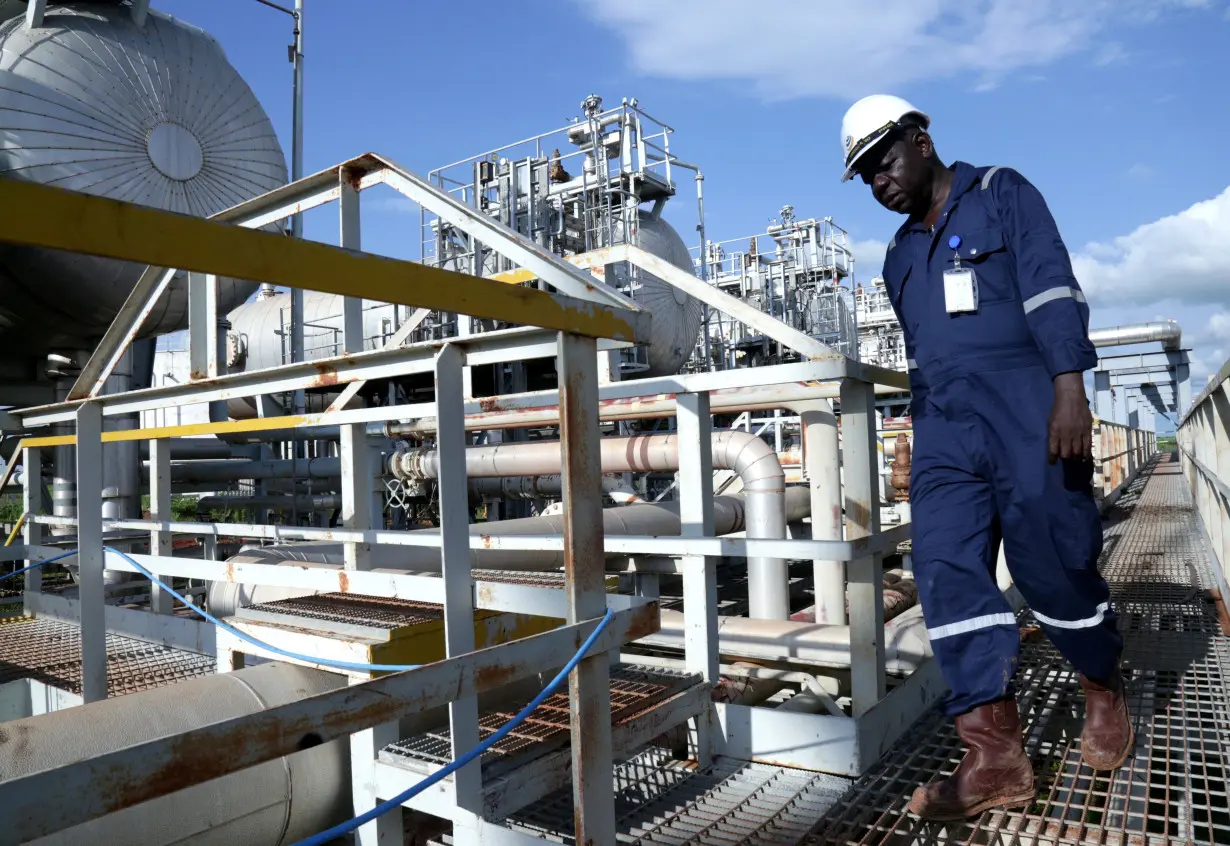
(960, 290)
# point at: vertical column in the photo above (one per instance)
(822, 464)
(700, 599)
(202, 326)
(160, 510)
(90, 553)
(584, 574)
(348, 209)
(35, 10)
(31, 505)
(358, 476)
(455, 549)
(1103, 402)
(1182, 387)
(866, 585)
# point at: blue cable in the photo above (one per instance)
(389, 804)
(324, 662)
(38, 564)
(325, 837)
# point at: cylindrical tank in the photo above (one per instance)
(280, 801)
(154, 115)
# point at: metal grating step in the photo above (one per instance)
(373, 611)
(49, 651)
(1173, 791)
(633, 690)
(662, 801)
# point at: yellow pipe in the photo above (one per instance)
(16, 528)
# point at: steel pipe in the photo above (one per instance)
(513, 411)
(641, 519)
(278, 802)
(307, 502)
(906, 643)
(1168, 332)
(754, 460)
(544, 487)
(230, 471)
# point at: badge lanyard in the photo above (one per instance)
(960, 283)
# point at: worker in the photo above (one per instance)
(997, 337)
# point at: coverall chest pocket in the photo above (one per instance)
(984, 251)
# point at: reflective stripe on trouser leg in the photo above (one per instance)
(972, 630)
(1052, 542)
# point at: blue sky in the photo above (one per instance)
(1113, 108)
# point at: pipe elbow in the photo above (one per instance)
(754, 460)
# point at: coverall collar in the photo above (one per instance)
(964, 177)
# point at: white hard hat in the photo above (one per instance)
(869, 120)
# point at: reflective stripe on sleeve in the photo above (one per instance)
(1039, 300)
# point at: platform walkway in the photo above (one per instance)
(1173, 791)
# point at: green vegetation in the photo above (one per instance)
(1167, 444)
(10, 508)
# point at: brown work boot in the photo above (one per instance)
(995, 771)
(1108, 737)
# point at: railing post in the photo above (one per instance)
(455, 552)
(348, 211)
(866, 586)
(584, 575)
(32, 505)
(90, 555)
(358, 507)
(700, 598)
(160, 511)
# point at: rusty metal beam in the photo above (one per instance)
(135, 774)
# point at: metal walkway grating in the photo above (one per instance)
(49, 651)
(633, 691)
(661, 801)
(1174, 791)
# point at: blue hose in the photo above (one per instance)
(38, 564)
(389, 804)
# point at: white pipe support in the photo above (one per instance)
(822, 469)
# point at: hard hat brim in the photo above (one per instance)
(869, 141)
(862, 147)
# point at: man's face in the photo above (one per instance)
(896, 169)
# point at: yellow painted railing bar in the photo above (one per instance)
(185, 430)
(38, 215)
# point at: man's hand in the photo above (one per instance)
(1071, 423)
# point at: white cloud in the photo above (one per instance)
(847, 48)
(1140, 170)
(1110, 54)
(868, 258)
(1184, 257)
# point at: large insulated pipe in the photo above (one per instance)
(753, 459)
(1166, 331)
(273, 803)
(739, 638)
(643, 519)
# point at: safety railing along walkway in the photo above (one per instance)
(1177, 656)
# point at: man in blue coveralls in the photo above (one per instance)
(996, 333)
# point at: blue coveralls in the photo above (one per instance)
(982, 395)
